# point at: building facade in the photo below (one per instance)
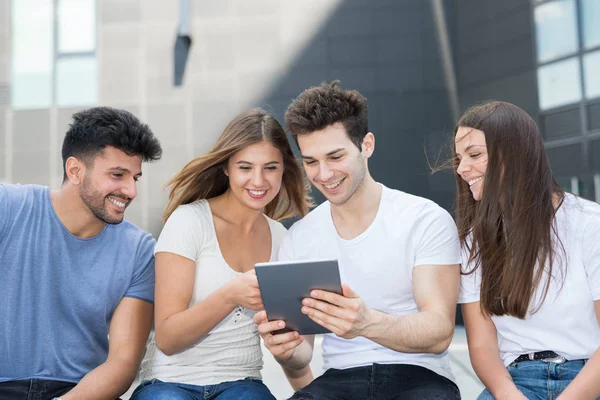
(419, 62)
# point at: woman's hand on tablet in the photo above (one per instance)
(244, 291)
(281, 345)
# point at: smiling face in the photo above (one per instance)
(333, 163)
(472, 158)
(255, 174)
(109, 184)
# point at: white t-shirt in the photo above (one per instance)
(566, 322)
(231, 350)
(407, 231)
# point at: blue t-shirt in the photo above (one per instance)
(57, 291)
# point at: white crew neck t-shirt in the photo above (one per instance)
(566, 322)
(231, 350)
(407, 231)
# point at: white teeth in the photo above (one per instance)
(257, 192)
(333, 185)
(474, 181)
(116, 202)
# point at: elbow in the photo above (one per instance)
(443, 342)
(441, 346)
(165, 345)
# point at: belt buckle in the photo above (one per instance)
(555, 360)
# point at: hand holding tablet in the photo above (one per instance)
(284, 285)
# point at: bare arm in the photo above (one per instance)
(178, 327)
(129, 329)
(586, 384)
(435, 289)
(485, 355)
(292, 351)
(298, 378)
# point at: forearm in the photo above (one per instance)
(424, 332)
(106, 382)
(180, 331)
(586, 384)
(299, 378)
(493, 374)
(300, 358)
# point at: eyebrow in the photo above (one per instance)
(123, 170)
(473, 145)
(328, 154)
(248, 162)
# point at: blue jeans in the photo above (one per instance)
(33, 389)
(539, 380)
(380, 382)
(246, 389)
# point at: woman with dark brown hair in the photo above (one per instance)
(530, 289)
(220, 221)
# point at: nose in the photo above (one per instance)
(258, 178)
(130, 189)
(462, 167)
(325, 173)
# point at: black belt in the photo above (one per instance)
(546, 356)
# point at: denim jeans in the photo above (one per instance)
(539, 380)
(246, 389)
(380, 382)
(33, 389)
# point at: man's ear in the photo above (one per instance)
(75, 169)
(368, 145)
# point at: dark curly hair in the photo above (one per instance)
(321, 106)
(96, 128)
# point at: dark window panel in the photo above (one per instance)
(561, 124)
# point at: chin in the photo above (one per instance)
(258, 204)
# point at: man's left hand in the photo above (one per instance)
(347, 316)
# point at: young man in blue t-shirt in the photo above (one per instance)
(73, 272)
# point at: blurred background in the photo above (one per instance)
(186, 67)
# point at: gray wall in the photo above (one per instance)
(495, 52)
(387, 50)
(245, 54)
(265, 53)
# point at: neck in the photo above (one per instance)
(228, 207)
(74, 214)
(362, 205)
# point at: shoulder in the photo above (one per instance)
(581, 216)
(133, 235)
(18, 193)
(313, 220)
(410, 205)
(577, 205)
(277, 228)
(194, 215)
(576, 213)
(198, 209)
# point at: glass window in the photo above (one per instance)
(556, 29)
(76, 81)
(32, 53)
(590, 15)
(76, 26)
(559, 83)
(591, 71)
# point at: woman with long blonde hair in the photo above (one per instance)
(220, 221)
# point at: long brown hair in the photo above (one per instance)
(512, 228)
(204, 177)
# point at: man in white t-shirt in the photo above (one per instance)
(399, 261)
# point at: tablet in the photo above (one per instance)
(284, 284)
